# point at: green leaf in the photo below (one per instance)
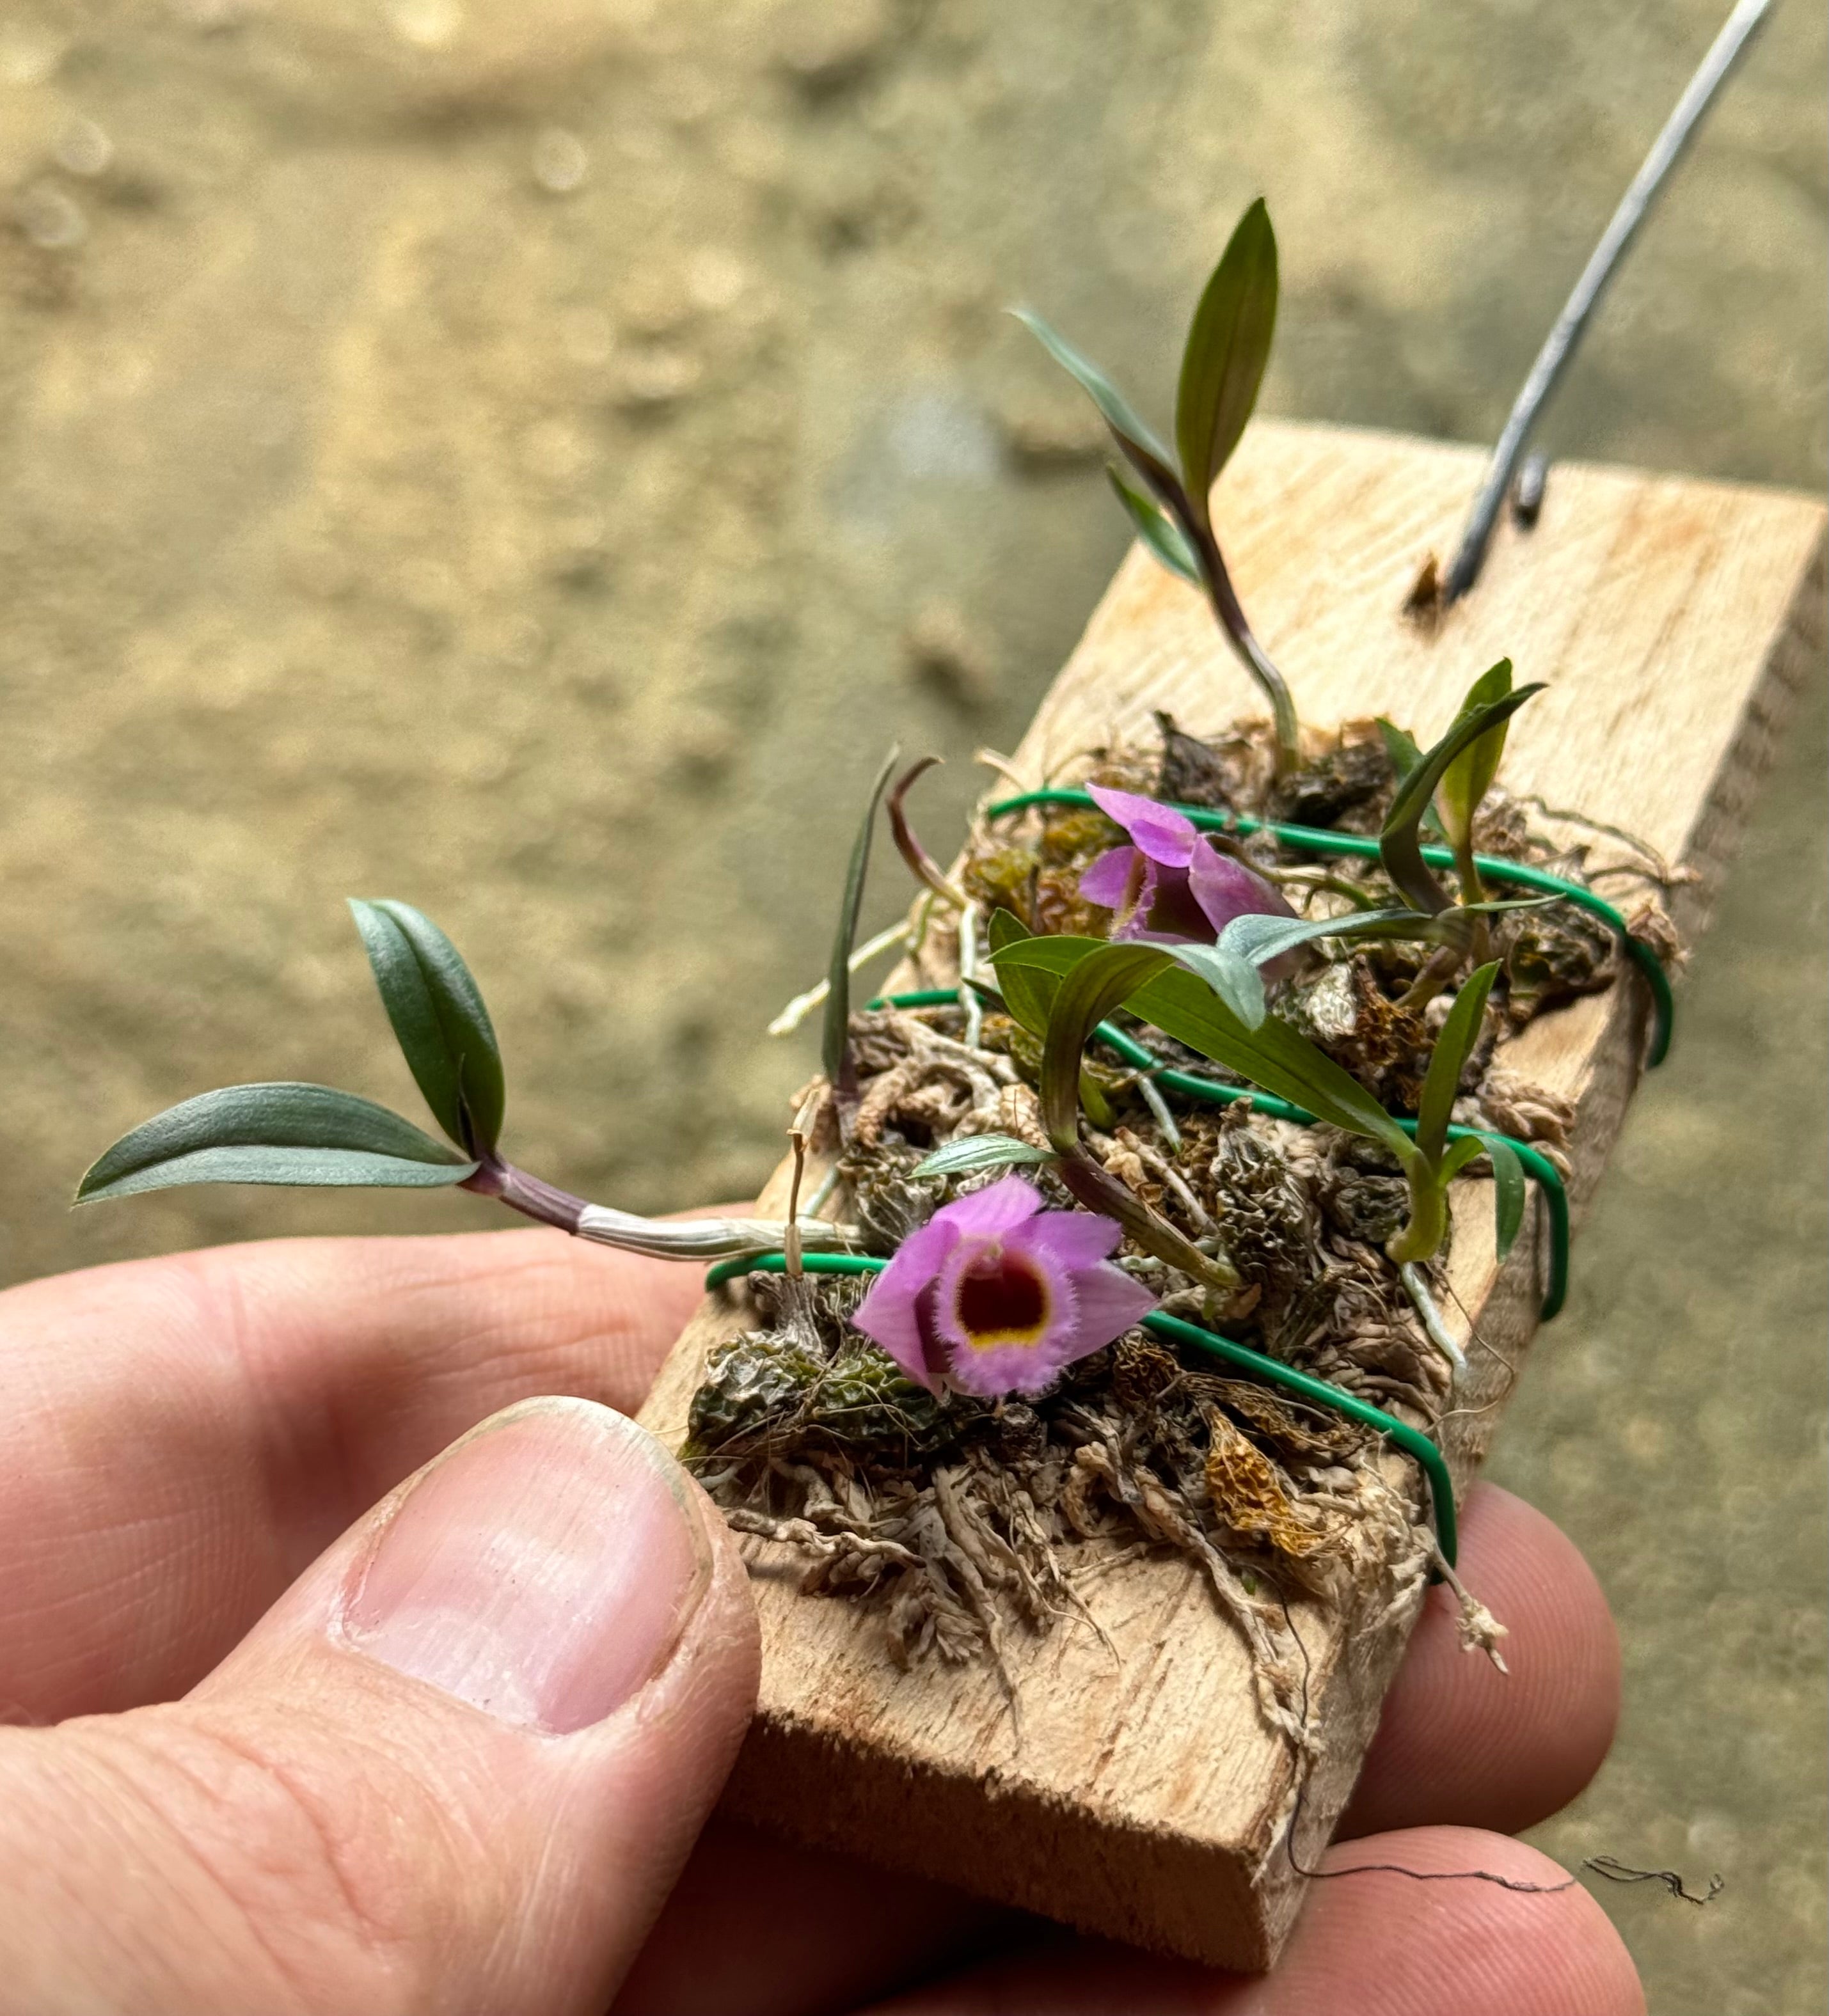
(1468, 1149)
(1399, 847)
(1263, 939)
(835, 1045)
(1088, 991)
(1028, 994)
(1228, 346)
(980, 1151)
(1509, 1193)
(283, 1133)
(1272, 1056)
(1232, 976)
(1453, 1047)
(1146, 452)
(1466, 780)
(439, 1020)
(1158, 531)
(1400, 747)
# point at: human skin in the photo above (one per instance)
(295, 1740)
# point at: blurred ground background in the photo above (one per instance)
(528, 461)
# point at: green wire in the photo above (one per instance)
(1413, 1442)
(1537, 1165)
(776, 1263)
(1314, 840)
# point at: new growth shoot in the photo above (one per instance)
(314, 1135)
(1221, 367)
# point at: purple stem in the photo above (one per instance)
(527, 1194)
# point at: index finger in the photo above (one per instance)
(183, 1436)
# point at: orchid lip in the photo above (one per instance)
(1000, 1299)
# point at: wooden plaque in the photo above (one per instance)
(1137, 1794)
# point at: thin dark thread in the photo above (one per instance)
(1616, 1871)
(1397, 1868)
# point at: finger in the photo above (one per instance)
(757, 1927)
(1460, 1743)
(456, 1767)
(1375, 1944)
(183, 1435)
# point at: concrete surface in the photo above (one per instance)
(528, 461)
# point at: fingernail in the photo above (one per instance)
(543, 1570)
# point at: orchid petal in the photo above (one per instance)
(1225, 889)
(1112, 881)
(1110, 1303)
(1070, 1238)
(1163, 833)
(998, 1208)
(891, 1312)
(1169, 913)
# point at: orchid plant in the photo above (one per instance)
(314, 1135)
(1221, 367)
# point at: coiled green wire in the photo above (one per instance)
(1537, 1165)
(1316, 840)
(1413, 1442)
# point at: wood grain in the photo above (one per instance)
(1134, 1794)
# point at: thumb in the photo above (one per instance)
(457, 1766)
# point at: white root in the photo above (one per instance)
(803, 1005)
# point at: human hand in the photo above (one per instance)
(323, 1745)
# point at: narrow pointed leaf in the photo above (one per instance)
(1399, 846)
(921, 864)
(1466, 780)
(281, 1133)
(835, 1046)
(1467, 1150)
(443, 1028)
(1231, 975)
(1158, 531)
(1509, 1193)
(1400, 747)
(1146, 453)
(980, 1151)
(1228, 346)
(1453, 1047)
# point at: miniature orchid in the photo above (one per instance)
(999, 1295)
(1171, 883)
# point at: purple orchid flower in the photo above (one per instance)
(1171, 883)
(999, 1295)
